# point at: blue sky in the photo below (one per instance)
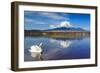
(48, 20)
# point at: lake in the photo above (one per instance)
(57, 49)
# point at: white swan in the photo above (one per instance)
(36, 48)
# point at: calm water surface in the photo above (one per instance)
(57, 49)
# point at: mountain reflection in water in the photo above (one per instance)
(63, 43)
(57, 49)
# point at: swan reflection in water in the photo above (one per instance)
(37, 54)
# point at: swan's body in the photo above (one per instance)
(35, 51)
(36, 48)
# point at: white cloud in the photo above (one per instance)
(53, 16)
(62, 24)
(53, 26)
(29, 20)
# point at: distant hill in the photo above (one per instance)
(32, 30)
(66, 29)
(59, 29)
(58, 32)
